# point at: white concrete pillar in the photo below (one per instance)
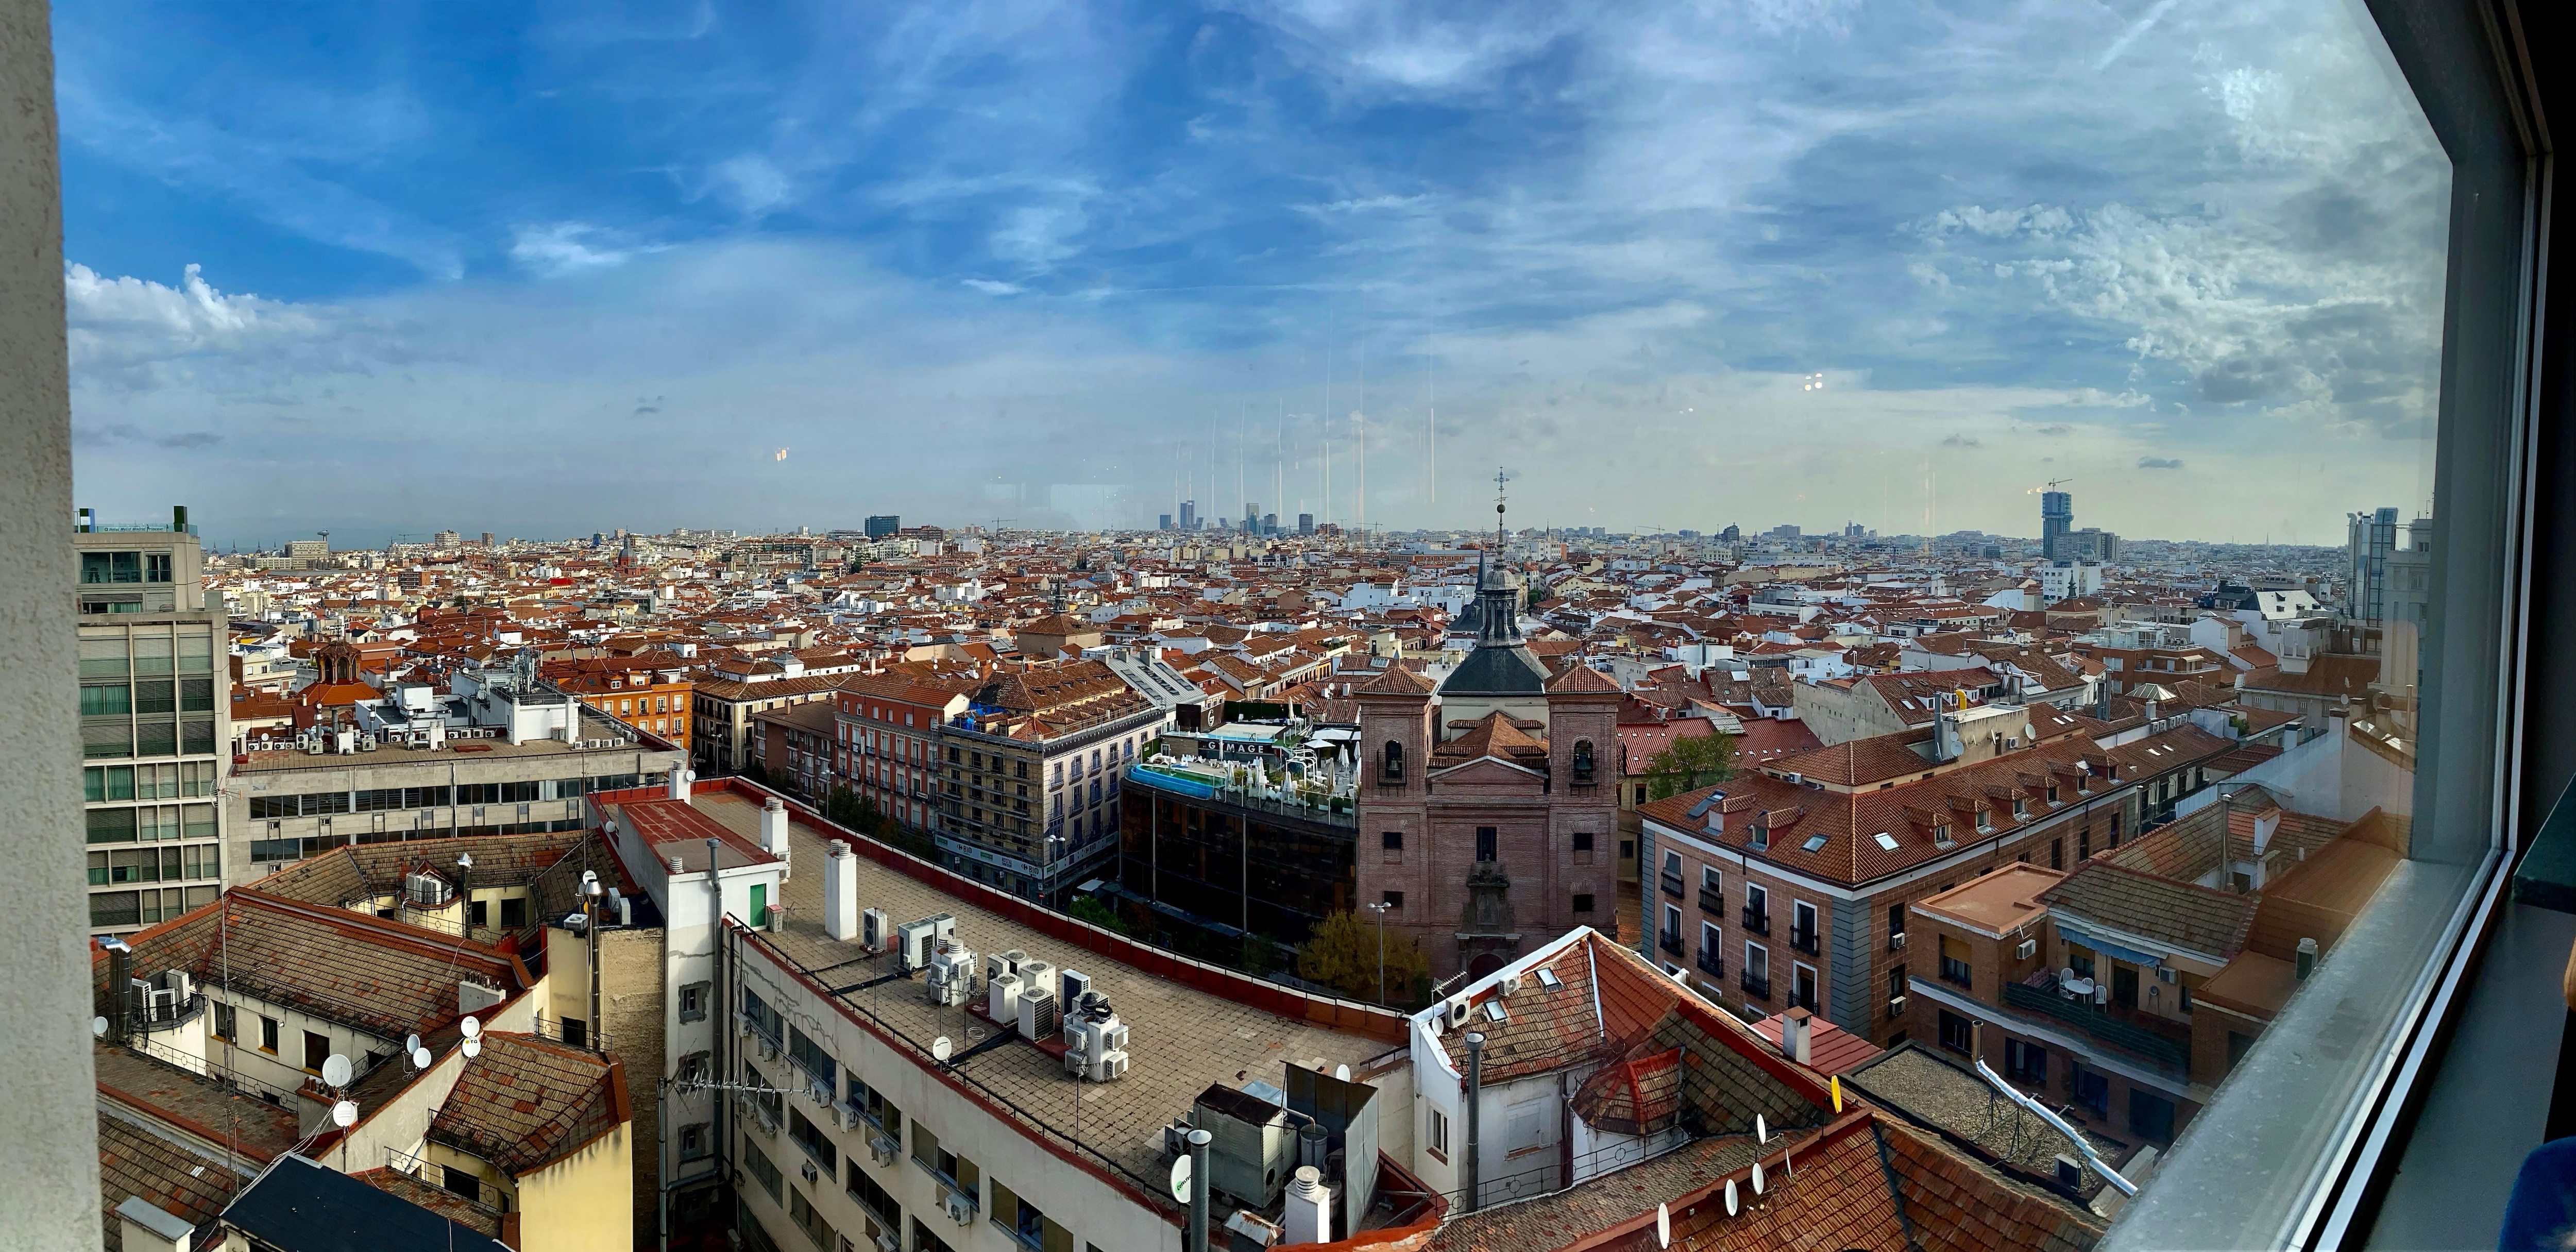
(841, 894)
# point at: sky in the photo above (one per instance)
(547, 269)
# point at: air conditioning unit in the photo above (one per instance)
(768, 1048)
(1895, 1007)
(1896, 942)
(1039, 1017)
(2165, 974)
(164, 1005)
(1458, 1012)
(840, 1119)
(952, 976)
(1071, 985)
(960, 1209)
(2028, 948)
(881, 1149)
(886, 1242)
(811, 1174)
(1511, 984)
(875, 927)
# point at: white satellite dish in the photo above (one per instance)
(420, 1058)
(344, 1115)
(473, 1029)
(1731, 1206)
(1761, 1128)
(1758, 1188)
(411, 1043)
(1181, 1178)
(335, 1070)
(98, 1027)
(1342, 1072)
(473, 1048)
(940, 1048)
(1663, 1225)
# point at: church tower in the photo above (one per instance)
(1486, 812)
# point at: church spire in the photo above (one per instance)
(1498, 612)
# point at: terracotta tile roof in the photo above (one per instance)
(1494, 735)
(1597, 1204)
(133, 1161)
(439, 1200)
(527, 1102)
(194, 1103)
(1396, 680)
(1580, 679)
(379, 976)
(2188, 916)
(1830, 1048)
(1638, 1096)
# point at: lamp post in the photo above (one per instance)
(1380, 909)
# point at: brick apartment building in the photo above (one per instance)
(1788, 886)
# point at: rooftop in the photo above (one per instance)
(1998, 902)
(1185, 1038)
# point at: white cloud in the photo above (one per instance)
(121, 329)
(556, 249)
(753, 184)
(992, 288)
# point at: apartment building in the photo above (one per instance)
(155, 703)
(1787, 886)
(2126, 989)
(1033, 770)
(502, 752)
(720, 734)
(883, 1084)
(653, 695)
(2142, 654)
(270, 1024)
(1863, 706)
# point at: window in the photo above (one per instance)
(1583, 902)
(1955, 1034)
(1896, 980)
(224, 1026)
(697, 1141)
(810, 1137)
(2026, 1062)
(461, 1182)
(1583, 842)
(1672, 934)
(268, 1036)
(317, 1049)
(693, 1002)
(1391, 840)
(1895, 920)
(1439, 1136)
(514, 913)
(763, 1170)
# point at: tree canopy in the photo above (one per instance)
(1691, 762)
(1343, 953)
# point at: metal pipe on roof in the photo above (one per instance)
(1475, 1119)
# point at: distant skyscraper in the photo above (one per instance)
(2372, 537)
(1269, 523)
(1189, 515)
(1305, 523)
(2056, 518)
(884, 524)
(1166, 523)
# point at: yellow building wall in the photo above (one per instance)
(584, 1202)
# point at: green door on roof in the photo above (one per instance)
(759, 905)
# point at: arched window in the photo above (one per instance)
(1582, 760)
(1393, 771)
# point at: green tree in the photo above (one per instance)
(1343, 954)
(1088, 909)
(1689, 763)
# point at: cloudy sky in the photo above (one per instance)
(547, 269)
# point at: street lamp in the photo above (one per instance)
(1380, 909)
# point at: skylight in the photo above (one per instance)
(1815, 843)
(1887, 841)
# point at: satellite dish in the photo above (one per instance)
(1181, 1178)
(411, 1043)
(940, 1048)
(1342, 1072)
(473, 1048)
(1663, 1225)
(1761, 1128)
(473, 1029)
(98, 1027)
(335, 1071)
(420, 1058)
(1731, 1206)
(344, 1115)
(1758, 1188)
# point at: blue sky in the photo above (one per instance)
(549, 269)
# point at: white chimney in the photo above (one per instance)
(1797, 1034)
(680, 779)
(1310, 1208)
(148, 1229)
(773, 829)
(841, 894)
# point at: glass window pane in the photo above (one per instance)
(102, 654)
(111, 825)
(107, 736)
(151, 652)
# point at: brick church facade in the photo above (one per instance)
(1488, 807)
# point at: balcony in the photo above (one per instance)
(1712, 903)
(1755, 988)
(1669, 942)
(2163, 1042)
(1758, 923)
(1803, 940)
(1711, 964)
(1672, 884)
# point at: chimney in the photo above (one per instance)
(120, 991)
(841, 894)
(1797, 1034)
(773, 831)
(148, 1229)
(2307, 958)
(680, 778)
(1310, 1208)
